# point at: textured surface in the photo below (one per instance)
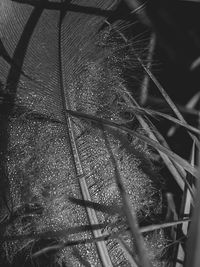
(52, 60)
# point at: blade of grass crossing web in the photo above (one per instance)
(173, 156)
(101, 246)
(166, 97)
(176, 170)
(115, 235)
(169, 164)
(160, 88)
(128, 253)
(128, 209)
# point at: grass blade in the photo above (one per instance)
(187, 202)
(185, 164)
(166, 97)
(92, 216)
(145, 83)
(127, 252)
(193, 243)
(170, 118)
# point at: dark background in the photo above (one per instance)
(177, 27)
(176, 24)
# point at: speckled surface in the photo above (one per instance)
(43, 169)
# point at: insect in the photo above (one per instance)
(71, 183)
